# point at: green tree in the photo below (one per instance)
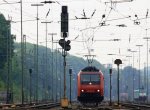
(6, 41)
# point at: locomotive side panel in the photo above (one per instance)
(78, 84)
(102, 84)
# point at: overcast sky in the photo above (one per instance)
(131, 14)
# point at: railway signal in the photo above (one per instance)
(61, 43)
(64, 22)
(65, 44)
(118, 62)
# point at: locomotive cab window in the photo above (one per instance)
(90, 78)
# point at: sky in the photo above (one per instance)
(134, 16)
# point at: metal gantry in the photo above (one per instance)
(147, 39)
(133, 72)
(46, 33)
(139, 67)
(60, 65)
(56, 62)
(22, 58)
(24, 69)
(37, 72)
(52, 35)
(9, 53)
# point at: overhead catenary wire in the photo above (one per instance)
(28, 20)
(87, 42)
(92, 32)
(126, 17)
(13, 5)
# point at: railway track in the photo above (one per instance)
(29, 106)
(105, 106)
(136, 106)
(102, 106)
(46, 106)
(78, 106)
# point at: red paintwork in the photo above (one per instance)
(91, 88)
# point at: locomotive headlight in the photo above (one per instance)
(90, 83)
(98, 90)
(82, 90)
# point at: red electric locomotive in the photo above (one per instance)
(90, 85)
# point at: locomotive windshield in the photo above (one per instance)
(90, 78)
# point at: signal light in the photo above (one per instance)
(30, 70)
(65, 44)
(64, 22)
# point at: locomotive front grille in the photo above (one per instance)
(90, 97)
(90, 94)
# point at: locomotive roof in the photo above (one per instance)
(90, 68)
